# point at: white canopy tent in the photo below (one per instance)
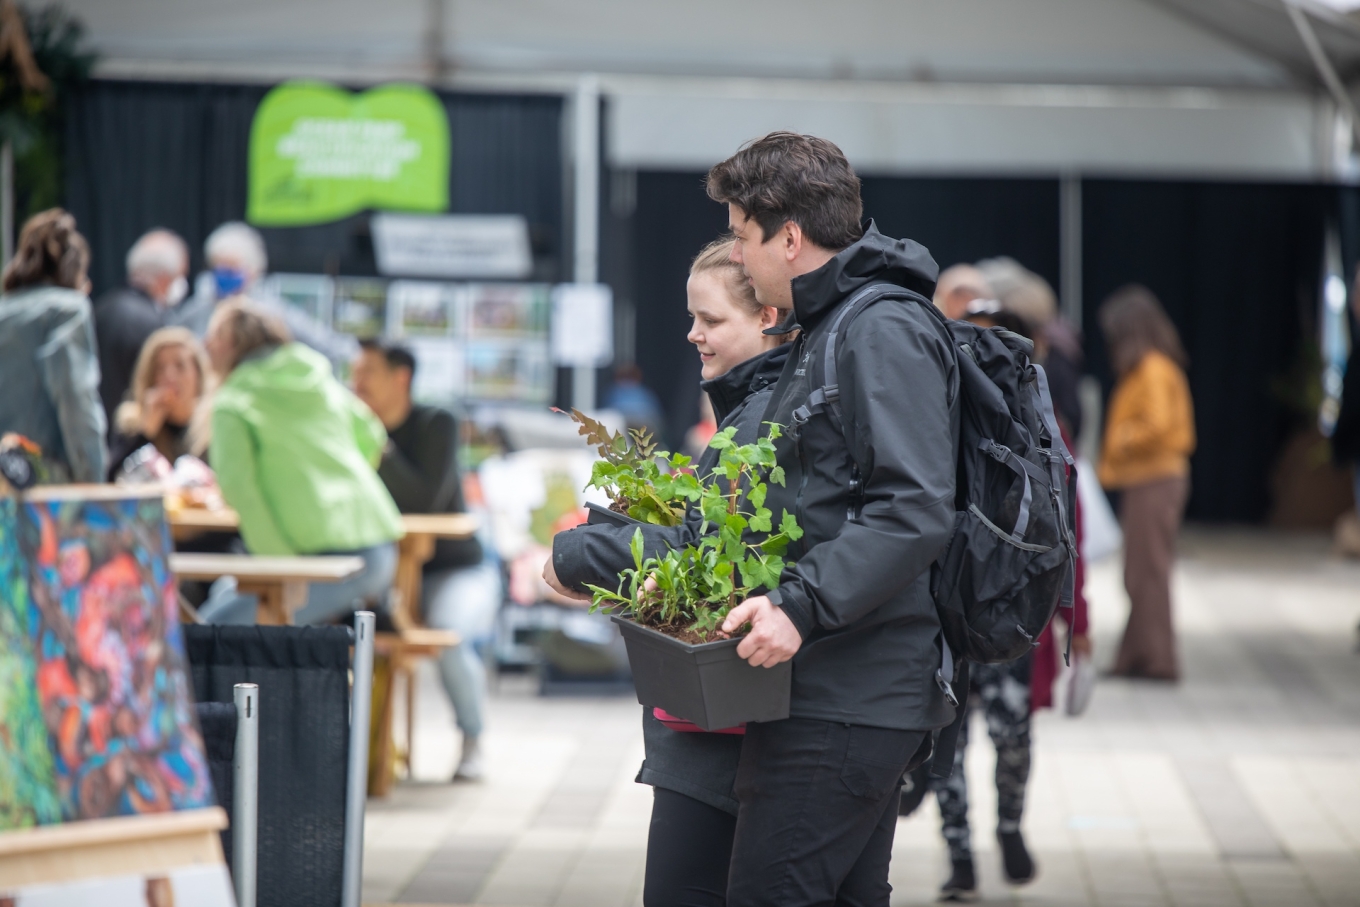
(1169, 87)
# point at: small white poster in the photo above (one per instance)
(439, 370)
(582, 325)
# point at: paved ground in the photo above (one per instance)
(1240, 786)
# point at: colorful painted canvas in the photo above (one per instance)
(111, 673)
(28, 787)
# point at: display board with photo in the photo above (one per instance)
(423, 308)
(313, 294)
(508, 310)
(509, 370)
(360, 306)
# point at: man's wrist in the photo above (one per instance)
(788, 601)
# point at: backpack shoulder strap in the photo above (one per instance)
(827, 397)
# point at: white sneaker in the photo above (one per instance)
(470, 763)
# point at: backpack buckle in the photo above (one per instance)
(947, 688)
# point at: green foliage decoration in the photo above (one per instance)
(650, 486)
(692, 589)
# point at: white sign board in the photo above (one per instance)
(452, 245)
(582, 325)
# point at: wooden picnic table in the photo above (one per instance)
(279, 582)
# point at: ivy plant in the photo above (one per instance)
(648, 485)
(740, 549)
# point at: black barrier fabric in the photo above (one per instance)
(217, 721)
(1237, 265)
(1238, 268)
(153, 154)
(303, 674)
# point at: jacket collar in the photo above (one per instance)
(727, 392)
(874, 258)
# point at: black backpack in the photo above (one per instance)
(1011, 559)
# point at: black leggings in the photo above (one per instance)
(689, 847)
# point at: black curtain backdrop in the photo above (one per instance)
(1238, 268)
(149, 154)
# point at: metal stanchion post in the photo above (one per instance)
(245, 808)
(361, 699)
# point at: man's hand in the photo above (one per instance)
(773, 638)
(550, 577)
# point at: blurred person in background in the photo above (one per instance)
(1149, 436)
(48, 364)
(639, 404)
(461, 589)
(959, 285)
(1057, 342)
(170, 379)
(694, 807)
(157, 281)
(237, 263)
(295, 454)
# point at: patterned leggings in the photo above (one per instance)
(1003, 693)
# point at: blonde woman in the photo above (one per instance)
(169, 381)
(694, 808)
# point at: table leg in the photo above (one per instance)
(380, 774)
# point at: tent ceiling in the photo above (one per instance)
(1263, 27)
(1214, 43)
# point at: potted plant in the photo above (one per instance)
(670, 608)
(643, 485)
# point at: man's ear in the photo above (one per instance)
(769, 317)
(791, 238)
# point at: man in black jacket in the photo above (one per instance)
(819, 790)
(460, 590)
(157, 265)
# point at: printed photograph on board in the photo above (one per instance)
(510, 371)
(422, 308)
(313, 294)
(508, 310)
(360, 306)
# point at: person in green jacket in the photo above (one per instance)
(295, 455)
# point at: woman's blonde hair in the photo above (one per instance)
(248, 327)
(128, 417)
(716, 258)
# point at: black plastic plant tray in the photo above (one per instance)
(597, 515)
(705, 683)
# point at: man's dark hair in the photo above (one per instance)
(790, 177)
(394, 354)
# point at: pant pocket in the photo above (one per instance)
(876, 759)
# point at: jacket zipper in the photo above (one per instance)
(802, 466)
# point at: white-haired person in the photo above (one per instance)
(157, 281)
(237, 263)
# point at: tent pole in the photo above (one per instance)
(1326, 71)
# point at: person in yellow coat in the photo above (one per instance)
(1149, 436)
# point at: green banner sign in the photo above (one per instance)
(319, 153)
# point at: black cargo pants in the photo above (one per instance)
(818, 812)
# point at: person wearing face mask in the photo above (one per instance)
(157, 265)
(237, 263)
(694, 807)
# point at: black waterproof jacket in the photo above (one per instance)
(700, 766)
(859, 590)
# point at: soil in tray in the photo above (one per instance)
(685, 634)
